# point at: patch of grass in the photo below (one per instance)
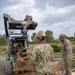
(57, 55)
(3, 50)
(73, 42)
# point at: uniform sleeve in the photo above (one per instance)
(68, 49)
(32, 56)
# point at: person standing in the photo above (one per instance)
(42, 54)
(66, 53)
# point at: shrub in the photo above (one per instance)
(56, 47)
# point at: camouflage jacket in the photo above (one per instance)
(43, 55)
(67, 50)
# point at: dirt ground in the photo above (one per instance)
(2, 59)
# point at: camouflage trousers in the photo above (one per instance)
(68, 67)
(37, 73)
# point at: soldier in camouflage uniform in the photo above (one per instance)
(66, 53)
(42, 54)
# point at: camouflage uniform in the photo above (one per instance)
(67, 54)
(42, 54)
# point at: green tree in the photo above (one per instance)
(49, 36)
(33, 36)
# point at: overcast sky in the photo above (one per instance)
(55, 15)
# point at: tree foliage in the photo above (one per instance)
(33, 36)
(2, 40)
(49, 36)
